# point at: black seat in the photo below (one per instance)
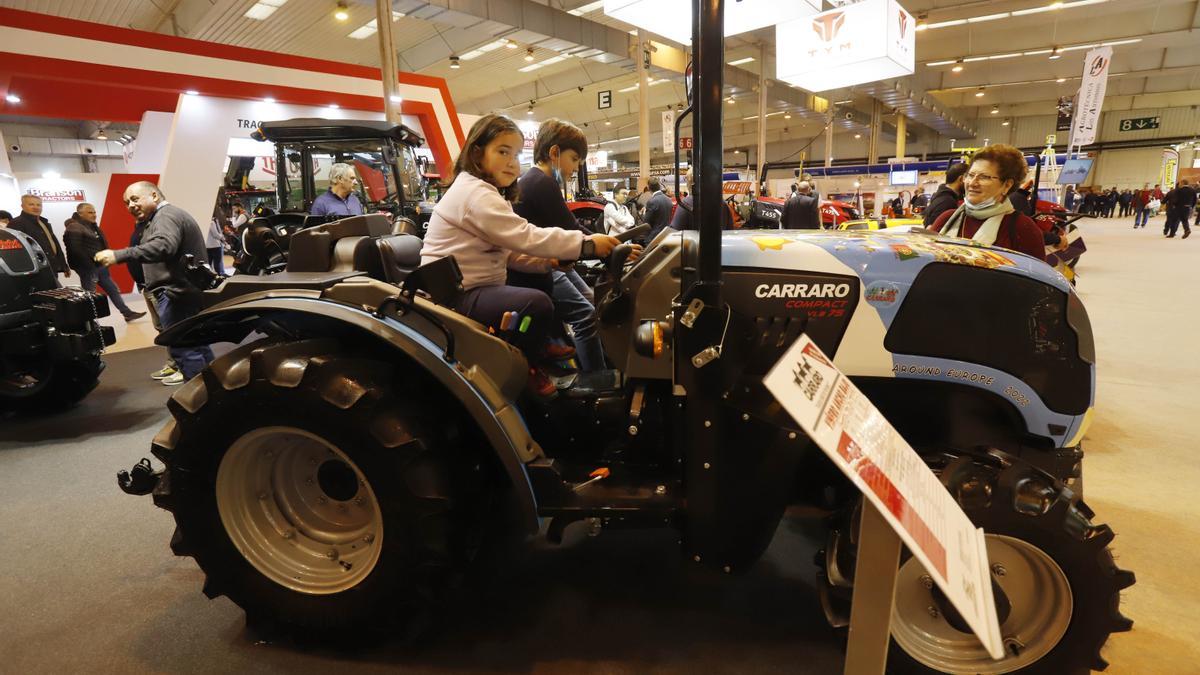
(401, 254)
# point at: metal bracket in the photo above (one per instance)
(692, 312)
(707, 356)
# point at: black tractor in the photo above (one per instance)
(391, 180)
(50, 336)
(364, 445)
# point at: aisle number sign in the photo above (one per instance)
(890, 474)
(1139, 124)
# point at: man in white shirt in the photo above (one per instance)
(617, 217)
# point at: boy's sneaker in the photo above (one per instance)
(540, 385)
(174, 379)
(554, 351)
(163, 373)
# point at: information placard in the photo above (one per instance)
(856, 437)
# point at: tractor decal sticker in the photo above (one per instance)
(882, 293)
(771, 243)
(826, 300)
(905, 252)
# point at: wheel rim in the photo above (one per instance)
(1041, 611)
(25, 382)
(299, 510)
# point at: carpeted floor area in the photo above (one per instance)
(88, 583)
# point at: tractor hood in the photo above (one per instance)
(876, 255)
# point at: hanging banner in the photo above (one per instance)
(1091, 95)
(1066, 109)
(668, 119)
(1170, 167)
(868, 41)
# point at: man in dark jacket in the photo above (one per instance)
(33, 224)
(83, 239)
(948, 195)
(1179, 203)
(171, 234)
(658, 208)
(682, 220)
(801, 211)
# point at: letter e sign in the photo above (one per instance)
(604, 99)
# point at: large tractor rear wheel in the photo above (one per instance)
(314, 495)
(1059, 590)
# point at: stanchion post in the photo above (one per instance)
(874, 594)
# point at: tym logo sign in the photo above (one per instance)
(827, 27)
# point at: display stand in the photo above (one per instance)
(874, 594)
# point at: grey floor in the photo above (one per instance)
(88, 583)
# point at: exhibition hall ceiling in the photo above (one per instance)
(972, 57)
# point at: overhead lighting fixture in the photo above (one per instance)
(943, 63)
(1120, 42)
(192, 92)
(987, 17)
(263, 9)
(530, 111)
(454, 63)
(729, 100)
(341, 13)
(529, 54)
(395, 98)
(268, 100)
(510, 44)
(1061, 80)
(858, 135)
(480, 51)
(590, 7)
(371, 27)
(608, 123)
(333, 106)
(995, 110)
(947, 24)
(787, 116)
(52, 175)
(739, 62)
(1004, 123)
(12, 98)
(958, 67)
(1055, 54)
(102, 136)
(979, 94)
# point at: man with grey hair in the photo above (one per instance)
(33, 224)
(83, 239)
(342, 197)
(802, 210)
(171, 235)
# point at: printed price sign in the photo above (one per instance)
(881, 464)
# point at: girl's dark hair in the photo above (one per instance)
(565, 135)
(5, 215)
(1009, 161)
(484, 131)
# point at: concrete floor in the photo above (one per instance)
(87, 582)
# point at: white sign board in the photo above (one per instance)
(604, 99)
(673, 18)
(865, 42)
(890, 474)
(597, 160)
(668, 119)
(1091, 95)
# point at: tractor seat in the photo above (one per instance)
(401, 254)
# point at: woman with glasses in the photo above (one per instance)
(986, 215)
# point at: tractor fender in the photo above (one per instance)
(469, 383)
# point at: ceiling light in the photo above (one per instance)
(1077, 48)
(1037, 52)
(1061, 80)
(333, 106)
(995, 109)
(12, 98)
(52, 175)
(979, 94)
(341, 13)
(395, 98)
(510, 44)
(739, 62)
(987, 17)
(737, 152)
(530, 111)
(529, 54)
(268, 100)
(1055, 54)
(1004, 123)
(101, 136)
(729, 100)
(590, 7)
(943, 63)
(263, 8)
(958, 67)
(947, 24)
(608, 123)
(921, 25)
(192, 92)
(454, 63)
(1120, 42)
(787, 116)
(858, 135)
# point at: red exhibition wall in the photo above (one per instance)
(118, 223)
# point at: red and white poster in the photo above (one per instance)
(68, 195)
(893, 477)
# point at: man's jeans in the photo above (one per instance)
(190, 360)
(99, 275)
(573, 306)
(1141, 216)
